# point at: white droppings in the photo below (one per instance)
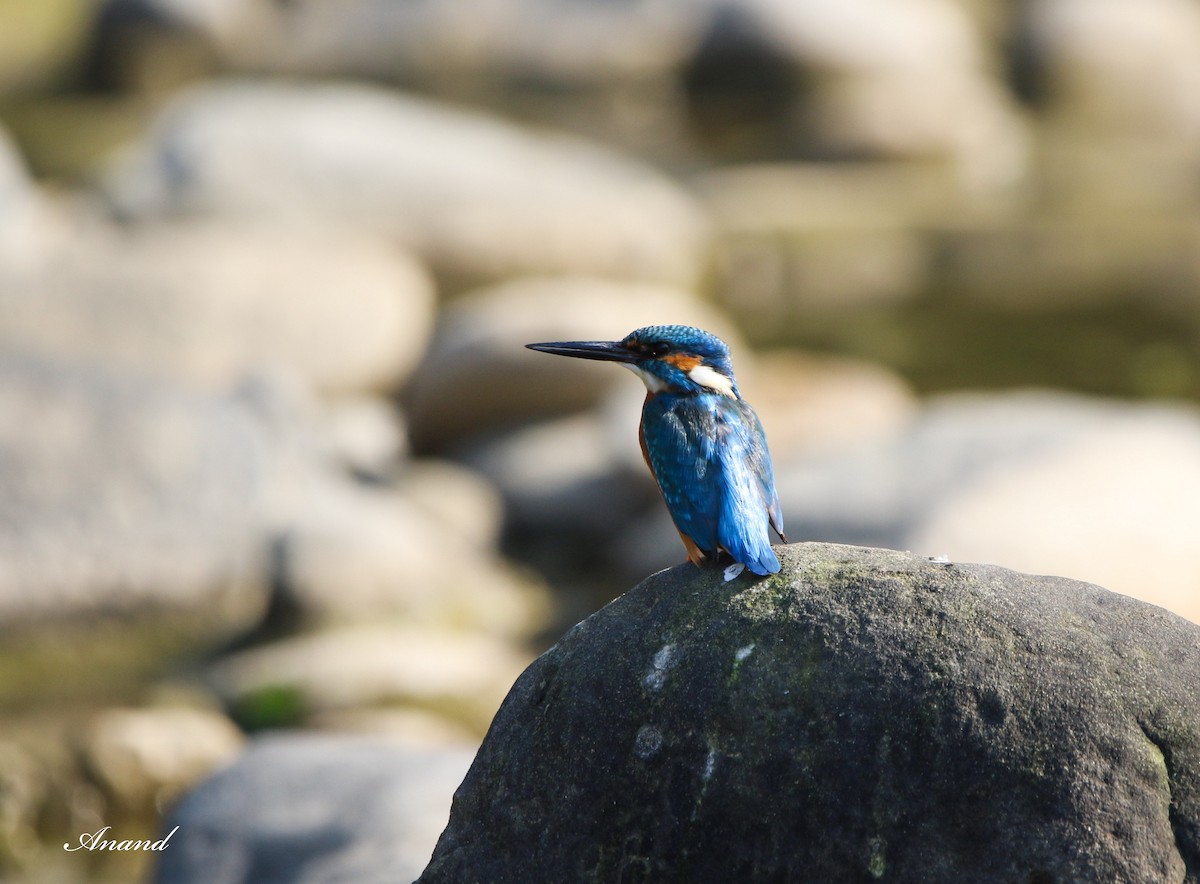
(743, 653)
(710, 764)
(942, 559)
(647, 742)
(734, 570)
(662, 663)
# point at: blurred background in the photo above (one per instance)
(272, 456)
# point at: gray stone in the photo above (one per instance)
(478, 360)
(1115, 84)
(1046, 482)
(359, 667)
(818, 404)
(1117, 67)
(457, 497)
(474, 40)
(414, 728)
(130, 522)
(868, 78)
(479, 198)
(794, 240)
(1046, 264)
(605, 68)
(562, 478)
(313, 810)
(864, 715)
(141, 520)
(368, 435)
(208, 304)
(350, 553)
(147, 758)
(24, 228)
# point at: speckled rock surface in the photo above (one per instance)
(865, 715)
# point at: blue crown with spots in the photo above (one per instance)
(686, 339)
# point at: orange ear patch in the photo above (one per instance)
(685, 362)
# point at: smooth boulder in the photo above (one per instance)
(864, 715)
(312, 808)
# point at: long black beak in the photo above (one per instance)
(608, 351)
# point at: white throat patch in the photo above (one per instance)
(712, 379)
(653, 384)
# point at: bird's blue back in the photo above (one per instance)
(709, 455)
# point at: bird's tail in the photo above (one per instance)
(743, 531)
(762, 561)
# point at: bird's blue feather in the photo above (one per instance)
(709, 455)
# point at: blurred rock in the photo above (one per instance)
(797, 239)
(207, 304)
(38, 42)
(461, 675)
(478, 360)
(563, 480)
(154, 46)
(1051, 263)
(459, 498)
(355, 554)
(863, 78)
(606, 69)
(812, 405)
(23, 214)
(479, 198)
(27, 787)
(1115, 82)
(147, 758)
(508, 43)
(368, 434)
(140, 521)
(129, 523)
(412, 728)
(308, 809)
(1120, 68)
(1050, 483)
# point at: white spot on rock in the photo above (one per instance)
(648, 741)
(742, 653)
(710, 764)
(664, 661)
(734, 570)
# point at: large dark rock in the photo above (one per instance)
(864, 715)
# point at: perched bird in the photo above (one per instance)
(702, 441)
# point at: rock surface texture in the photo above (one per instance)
(865, 715)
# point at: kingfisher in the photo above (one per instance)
(702, 441)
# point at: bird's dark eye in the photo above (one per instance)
(659, 348)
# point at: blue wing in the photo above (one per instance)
(709, 456)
